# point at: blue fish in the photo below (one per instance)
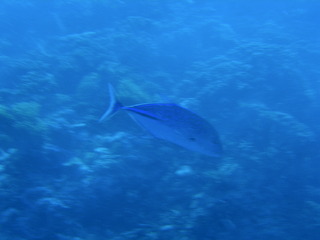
(172, 123)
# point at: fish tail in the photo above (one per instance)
(114, 104)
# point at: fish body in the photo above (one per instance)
(172, 123)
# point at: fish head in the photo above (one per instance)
(210, 146)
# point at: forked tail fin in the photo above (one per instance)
(114, 105)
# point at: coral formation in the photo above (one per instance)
(249, 67)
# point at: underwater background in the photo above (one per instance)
(251, 68)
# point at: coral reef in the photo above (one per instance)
(250, 68)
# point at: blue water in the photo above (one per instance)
(251, 68)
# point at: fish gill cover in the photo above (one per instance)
(249, 67)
